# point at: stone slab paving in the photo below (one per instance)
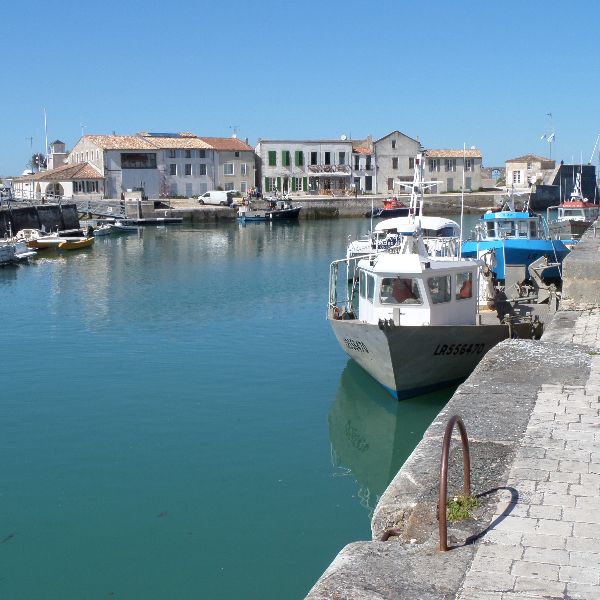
(546, 540)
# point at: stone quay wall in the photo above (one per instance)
(497, 404)
(49, 217)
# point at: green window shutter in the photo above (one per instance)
(272, 158)
(305, 184)
(285, 158)
(298, 158)
(266, 188)
(294, 184)
(279, 183)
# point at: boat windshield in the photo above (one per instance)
(447, 231)
(400, 290)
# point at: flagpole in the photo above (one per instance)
(46, 135)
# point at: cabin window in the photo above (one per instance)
(398, 290)
(533, 229)
(439, 289)
(490, 228)
(506, 228)
(464, 286)
(362, 284)
(523, 228)
(370, 288)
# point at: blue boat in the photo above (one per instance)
(517, 239)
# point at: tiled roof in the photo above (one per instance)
(145, 141)
(362, 146)
(65, 173)
(451, 153)
(227, 143)
(529, 158)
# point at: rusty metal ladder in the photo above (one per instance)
(443, 490)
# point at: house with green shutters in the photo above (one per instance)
(304, 166)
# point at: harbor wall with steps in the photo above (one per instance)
(496, 403)
(49, 217)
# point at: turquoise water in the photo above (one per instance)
(178, 421)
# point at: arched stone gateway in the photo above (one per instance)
(54, 189)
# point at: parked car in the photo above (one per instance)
(216, 197)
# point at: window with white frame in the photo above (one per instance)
(434, 164)
(202, 153)
(271, 184)
(468, 164)
(450, 164)
(516, 177)
(228, 169)
(296, 184)
(244, 169)
(188, 154)
(243, 187)
(228, 186)
(171, 153)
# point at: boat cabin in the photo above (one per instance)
(510, 224)
(577, 211)
(415, 290)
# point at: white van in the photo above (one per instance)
(216, 197)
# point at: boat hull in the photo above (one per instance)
(411, 360)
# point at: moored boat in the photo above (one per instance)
(70, 244)
(516, 239)
(436, 233)
(411, 320)
(573, 216)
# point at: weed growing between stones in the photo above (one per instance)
(460, 507)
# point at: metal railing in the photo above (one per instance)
(443, 528)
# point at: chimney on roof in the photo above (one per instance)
(246, 140)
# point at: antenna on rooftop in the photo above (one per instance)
(235, 128)
(83, 126)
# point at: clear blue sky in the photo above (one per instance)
(481, 73)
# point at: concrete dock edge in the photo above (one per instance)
(496, 403)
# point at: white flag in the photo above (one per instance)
(550, 138)
(543, 137)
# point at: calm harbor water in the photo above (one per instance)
(178, 421)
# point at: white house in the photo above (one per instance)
(523, 171)
(305, 166)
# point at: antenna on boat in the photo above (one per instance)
(462, 201)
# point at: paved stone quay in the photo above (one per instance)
(532, 412)
(549, 544)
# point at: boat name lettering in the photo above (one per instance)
(448, 349)
(356, 345)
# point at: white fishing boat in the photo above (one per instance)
(573, 216)
(104, 229)
(412, 320)
(120, 227)
(14, 251)
(440, 235)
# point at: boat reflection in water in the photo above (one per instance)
(372, 434)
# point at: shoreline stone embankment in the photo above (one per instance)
(326, 207)
(525, 407)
